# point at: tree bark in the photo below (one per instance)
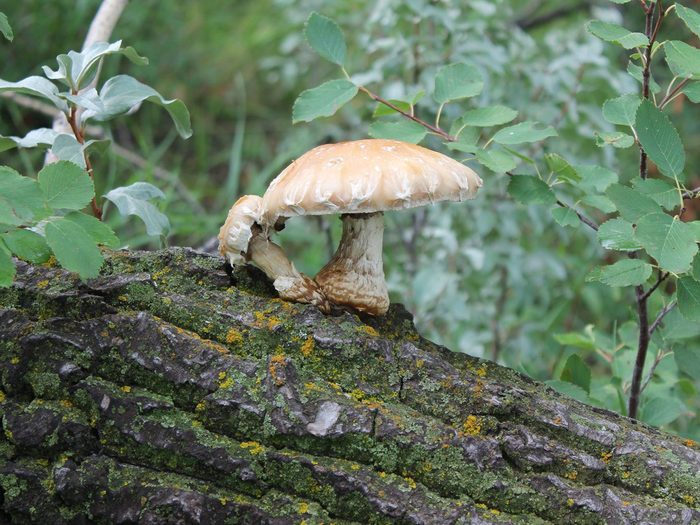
(167, 391)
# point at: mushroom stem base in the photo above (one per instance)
(355, 274)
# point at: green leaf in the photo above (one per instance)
(595, 178)
(382, 110)
(523, 132)
(576, 339)
(621, 110)
(696, 267)
(661, 411)
(688, 295)
(561, 168)
(568, 389)
(5, 28)
(600, 202)
(496, 160)
(690, 17)
(660, 140)
(123, 93)
(66, 147)
(631, 203)
(36, 137)
(7, 267)
(530, 190)
(323, 101)
(616, 139)
(100, 232)
(489, 116)
(66, 185)
(77, 70)
(457, 81)
(663, 193)
(692, 91)
(73, 247)
(682, 59)
(134, 200)
(576, 371)
(617, 34)
(404, 129)
(36, 87)
(565, 217)
(326, 38)
(618, 234)
(668, 240)
(27, 245)
(627, 272)
(637, 73)
(688, 360)
(21, 199)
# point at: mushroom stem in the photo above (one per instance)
(355, 274)
(287, 280)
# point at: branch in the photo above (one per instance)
(585, 220)
(665, 310)
(659, 358)
(691, 194)
(661, 278)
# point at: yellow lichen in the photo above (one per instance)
(411, 482)
(253, 447)
(303, 507)
(481, 371)
(354, 466)
(126, 388)
(472, 426)
(570, 502)
(368, 330)
(606, 457)
(308, 346)
(14, 360)
(572, 475)
(625, 503)
(42, 284)
(233, 336)
(277, 362)
(2, 396)
(226, 381)
(123, 298)
(66, 403)
(420, 363)
(223, 501)
(689, 500)
(625, 475)
(689, 443)
(382, 474)
(200, 406)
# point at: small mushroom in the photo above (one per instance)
(360, 180)
(241, 239)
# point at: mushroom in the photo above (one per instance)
(241, 239)
(360, 180)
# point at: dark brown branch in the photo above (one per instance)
(664, 311)
(585, 220)
(661, 278)
(642, 347)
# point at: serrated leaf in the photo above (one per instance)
(37, 87)
(682, 59)
(20, 197)
(561, 168)
(326, 38)
(496, 160)
(73, 247)
(618, 234)
(78, 69)
(576, 339)
(5, 27)
(323, 101)
(457, 81)
(489, 116)
(36, 137)
(524, 132)
(382, 110)
(688, 360)
(621, 110)
(631, 203)
(600, 202)
(627, 272)
(100, 232)
(617, 34)
(576, 371)
(530, 190)
(690, 17)
(668, 240)
(660, 140)
(404, 129)
(692, 91)
(660, 411)
(134, 200)
(66, 185)
(66, 147)
(616, 139)
(122, 93)
(595, 178)
(27, 245)
(7, 267)
(688, 295)
(565, 217)
(663, 193)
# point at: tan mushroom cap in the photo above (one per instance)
(235, 234)
(366, 176)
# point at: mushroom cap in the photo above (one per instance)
(236, 232)
(366, 176)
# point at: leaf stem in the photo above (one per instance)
(72, 122)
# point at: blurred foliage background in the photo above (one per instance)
(489, 277)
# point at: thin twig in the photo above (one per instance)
(665, 310)
(661, 278)
(96, 211)
(585, 220)
(659, 357)
(691, 194)
(672, 94)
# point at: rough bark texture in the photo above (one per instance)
(167, 391)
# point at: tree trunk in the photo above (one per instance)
(166, 391)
